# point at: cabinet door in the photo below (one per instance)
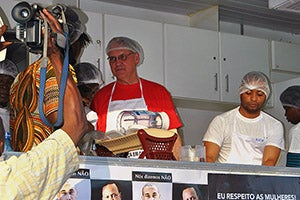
(93, 52)
(149, 34)
(240, 55)
(285, 56)
(191, 62)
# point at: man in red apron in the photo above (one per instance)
(130, 92)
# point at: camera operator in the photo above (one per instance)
(28, 128)
(41, 172)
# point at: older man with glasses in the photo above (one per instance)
(130, 92)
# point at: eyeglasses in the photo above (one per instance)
(112, 196)
(122, 57)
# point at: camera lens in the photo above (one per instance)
(22, 12)
(25, 13)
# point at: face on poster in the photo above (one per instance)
(75, 189)
(188, 191)
(151, 190)
(111, 190)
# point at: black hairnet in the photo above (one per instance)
(87, 73)
(291, 96)
(7, 67)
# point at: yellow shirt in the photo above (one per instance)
(41, 172)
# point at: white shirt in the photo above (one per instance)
(91, 116)
(221, 127)
(294, 139)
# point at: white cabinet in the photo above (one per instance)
(240, 55)
(191, 62)
(149, 34)
(93, 52)
(202, 64)
(285, 56)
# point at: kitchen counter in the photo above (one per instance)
(211, 180)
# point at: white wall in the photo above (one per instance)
(195, 118)
(259, 32)
(126, 11)
(195, 122)
(139, 13)
(100, 7)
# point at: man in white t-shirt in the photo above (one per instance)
(246, 134)
(290, 99)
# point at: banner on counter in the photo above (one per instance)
(89, 181)
(132, 188)
(253, 187)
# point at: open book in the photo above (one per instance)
(117, 142)
(115, 134)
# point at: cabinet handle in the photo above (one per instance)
(102, 69)
(99, 63)
(227, 83)
(216, 79)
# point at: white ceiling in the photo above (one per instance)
(247, 12)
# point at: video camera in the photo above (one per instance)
(29, 23)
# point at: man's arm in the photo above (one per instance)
(177, 145)
(75, 123)
(40, 173)
(212, 151)
(271, 155)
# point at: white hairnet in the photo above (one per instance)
(291, 97)
(87, 73)
(7, 67)
(126, 43)
(255, 81)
